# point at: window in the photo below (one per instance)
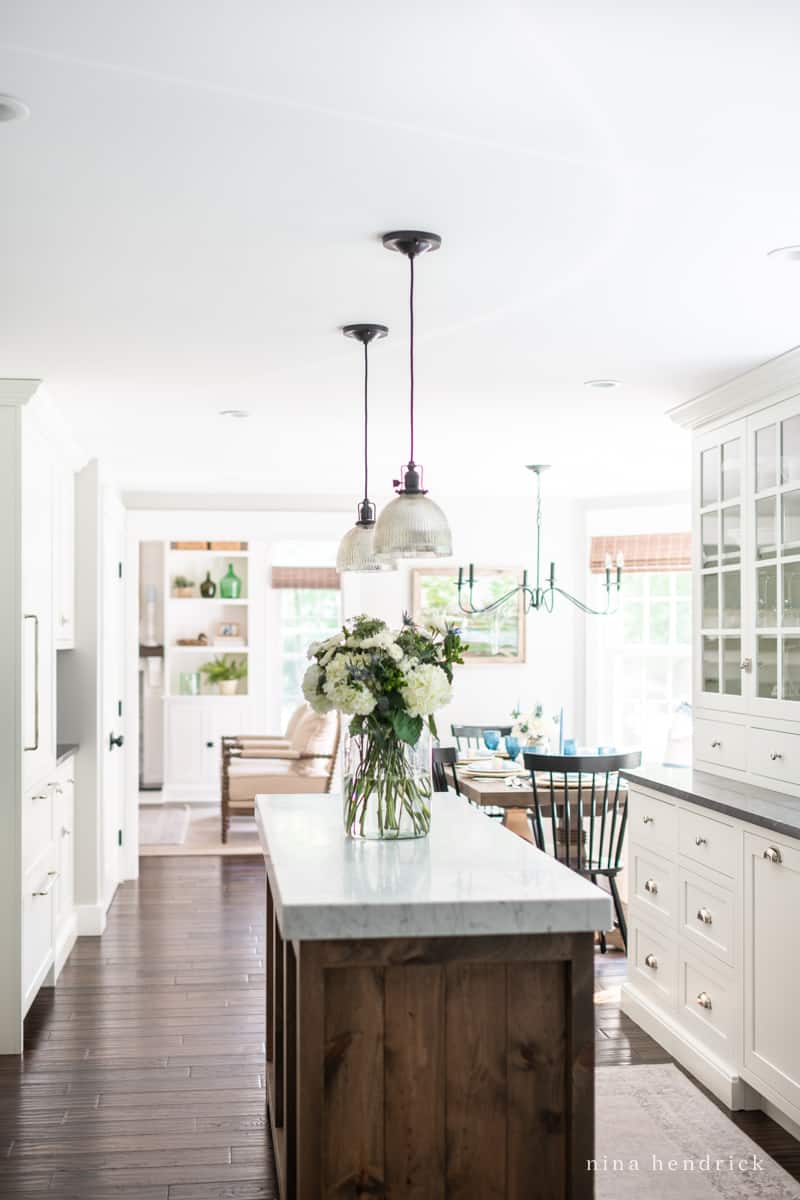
(643, 680)
(306, 615)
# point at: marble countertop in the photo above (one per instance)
(468, 877)
(776, 811)
(65, 750)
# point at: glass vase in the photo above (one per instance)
(230, 586)
(387, 787)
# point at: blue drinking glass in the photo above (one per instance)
(491, 739)
(569, 746)
(512, 747)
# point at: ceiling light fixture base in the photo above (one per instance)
(537, 468)
(365, 333)
(367, 513)
(411, 242)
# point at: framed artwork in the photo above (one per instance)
(496, 637)
(228, 629)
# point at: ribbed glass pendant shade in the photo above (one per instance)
(412, 526)
(357, 552)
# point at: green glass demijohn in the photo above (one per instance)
(230, 586)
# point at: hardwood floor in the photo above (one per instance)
(143, 1073)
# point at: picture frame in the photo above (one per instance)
(497, 637)
(228, 629)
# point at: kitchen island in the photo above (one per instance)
(429, 1009)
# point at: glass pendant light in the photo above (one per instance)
(356, 550)
(411, 525)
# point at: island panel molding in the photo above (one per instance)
(449, 1066)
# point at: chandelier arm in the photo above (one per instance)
(583, 607)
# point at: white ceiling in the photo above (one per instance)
(195, 203)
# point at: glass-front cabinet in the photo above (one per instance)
(720, 599)
(774, 439)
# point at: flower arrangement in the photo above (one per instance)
(530, 725)
(390, 683)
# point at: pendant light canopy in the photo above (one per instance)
(356, 549)
(412, 525)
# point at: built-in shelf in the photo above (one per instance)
(210, 646)
(205, 600)
(209, 554)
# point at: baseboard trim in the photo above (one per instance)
(726, 1084)
(90, 919)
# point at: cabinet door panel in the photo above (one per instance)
(185, 744)
(38, 674)
(772, 980)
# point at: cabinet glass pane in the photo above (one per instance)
(731, 535)
(767, 667)
(790, 537)
(766, 540)
(709, 476)
(711, 602)
(791, 593)
(767, 596)
(710, 664)
(731, 600)
(766, 458)
(710, 536)
(732, 666)
(731, 469)
(790, 449)
(791, 668)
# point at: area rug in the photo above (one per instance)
(163, 824)
(204, 836)
(659, 1138)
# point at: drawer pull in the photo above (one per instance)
(704, 1000)
(70, 781)
(65, 832)
(651, 961)
(715, 745)
(775, 756)
(705, 916)
(651, 886)
(700, 841)
(648, 820)
(773, 855)
(52, 876)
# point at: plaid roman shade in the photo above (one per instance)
(643, 552)
(305, 577)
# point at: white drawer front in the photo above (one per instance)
(654, 886)
(37, 824)
(653, 962)
(38, 886)
(707, 1006)
(653, 822)
(776, 755)
(710, 841)
(721, 743)
(707, 916)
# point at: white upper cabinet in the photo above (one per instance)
(38, 676)
(64, 556)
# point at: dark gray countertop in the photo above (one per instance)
(64, 750)
(760, 806)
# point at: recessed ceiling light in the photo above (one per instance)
(786, 253)
(12, 109)
(601, 383)
(237, 414)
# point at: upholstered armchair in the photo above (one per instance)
(303, 761)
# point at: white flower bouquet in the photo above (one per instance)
(390, 683)
(530, 725)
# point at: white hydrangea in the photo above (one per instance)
(318, 700)
(344, 693)
(426, 689)
(383, 640)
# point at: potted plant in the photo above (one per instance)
(225, 672)
(390, 682)
(183, 587)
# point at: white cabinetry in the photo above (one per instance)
(772, 978)
(64, 556)
(712, 974)
(746, 539)
(195, 728)
(38, 662)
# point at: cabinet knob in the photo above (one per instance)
(700, 841)
(704, 1000)
(647, 820)
(63, 620)
(705, 916)
(210, 745)
(775, 756)
(65, 832)
(651, 886)
(715, 745)
(773, 855)
(651, 961)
